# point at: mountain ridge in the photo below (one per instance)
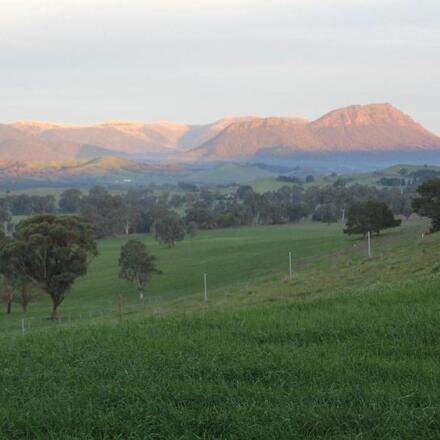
(357, 128)
(42, 140)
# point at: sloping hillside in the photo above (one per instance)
(108, 167)
(18, 144)
(324, 363)
(199, 134)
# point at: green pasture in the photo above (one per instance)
(347, 348)
(231, 258)
(360, 364)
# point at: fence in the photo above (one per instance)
(118, 310)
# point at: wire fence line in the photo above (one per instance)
(111, 310)
(117, 309)
(26, 325)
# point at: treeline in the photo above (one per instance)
(23, 204)
(409, 179)
(141, 211)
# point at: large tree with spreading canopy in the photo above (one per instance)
(51, 252)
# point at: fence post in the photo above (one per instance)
(369, 244)
(290, 265)
(205, 287)
(120, 308)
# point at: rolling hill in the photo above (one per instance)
(88, 172)
(110, 170)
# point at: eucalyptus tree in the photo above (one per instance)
(137, 265)
(50, 252)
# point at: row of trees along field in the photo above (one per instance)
(24, 204)
(140, 210)
(47, 253)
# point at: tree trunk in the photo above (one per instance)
(24, 297)
(9, 306)
(141, 295)
(55, 303)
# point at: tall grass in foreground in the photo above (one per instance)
(359, 365)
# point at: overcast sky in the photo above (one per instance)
(195, 61)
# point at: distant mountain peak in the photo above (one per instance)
(371, 127)
(363, 115)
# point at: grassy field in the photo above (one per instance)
(346, 349)
(262, 185)
(363, 364)
(262, 180)
(232, 259)
(243, 265)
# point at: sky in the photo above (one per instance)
(195, 61)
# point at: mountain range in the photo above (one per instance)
(358, 129)
(47, 141)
